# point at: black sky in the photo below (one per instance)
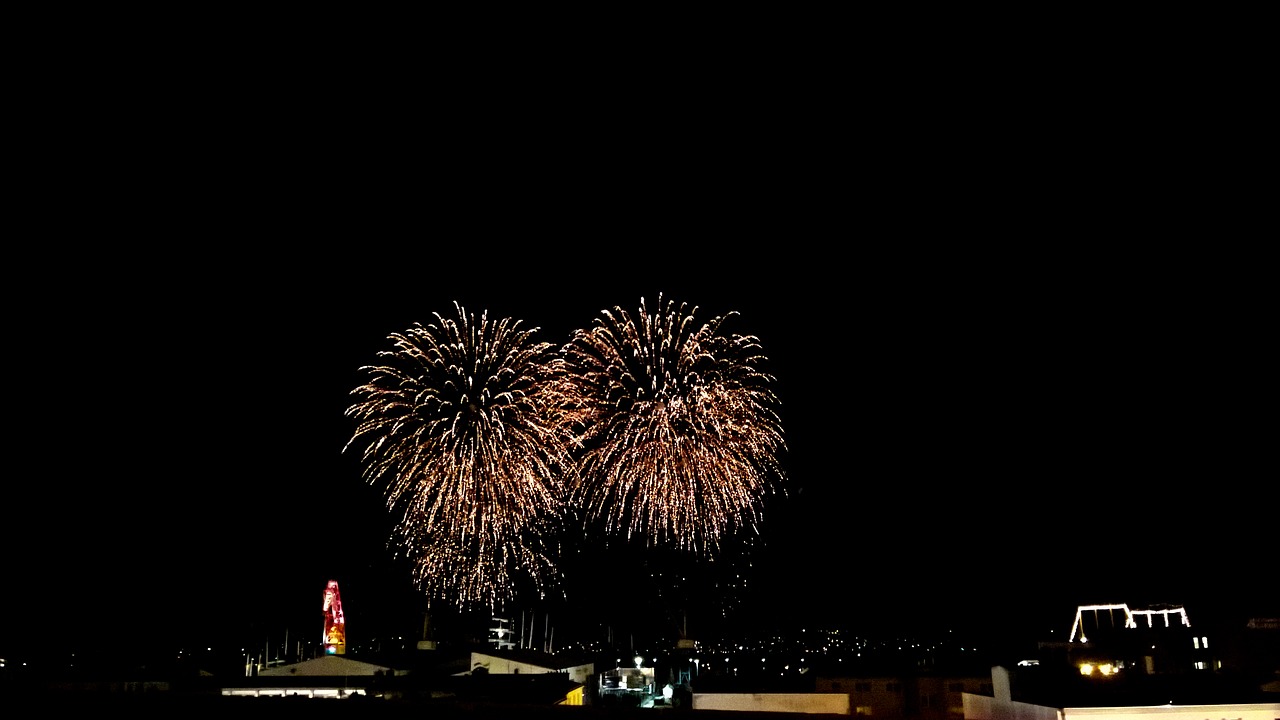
(1023, 354)
(966, 442)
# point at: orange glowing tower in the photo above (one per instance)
(335, 627)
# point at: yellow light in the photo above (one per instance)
(1086, 669)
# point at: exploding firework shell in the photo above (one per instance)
(676, 424)
(462, 425)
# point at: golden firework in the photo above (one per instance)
(676, 426)
(461, 425)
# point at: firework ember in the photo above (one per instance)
(677, 426)
(460, 424)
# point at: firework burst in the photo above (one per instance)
(677, 426)
(461, 426)
(479, 573)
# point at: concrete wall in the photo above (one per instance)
(981, 707)
(834, 703)
(924, 698)
(1245, 711)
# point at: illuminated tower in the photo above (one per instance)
(335, 627)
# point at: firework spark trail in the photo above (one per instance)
(462, 426)
(475, 573)
(677, 423)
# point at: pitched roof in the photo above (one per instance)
(327, 666)
(537, 658)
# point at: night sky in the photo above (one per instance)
(964, 446)
(1015, 375)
